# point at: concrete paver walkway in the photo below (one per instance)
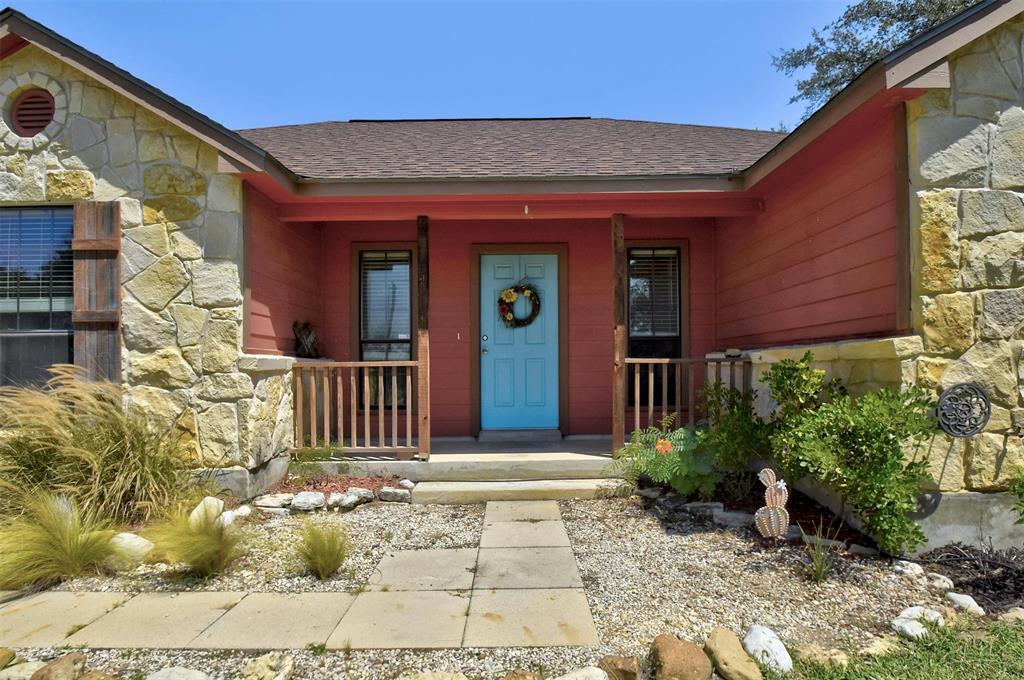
(520, 588)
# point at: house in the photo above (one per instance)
(153, 246)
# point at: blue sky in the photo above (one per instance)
(252, 64)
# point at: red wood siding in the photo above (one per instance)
(283, 276)
(589, 298)
(822, 260)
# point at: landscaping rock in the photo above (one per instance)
(678, 659)
(22, 671)
(911, 569)
(242, 511)
(97, 675)
(364, 495)
(177, 673)
(621, 667)
(965, 603)
(307, 501)
(939, 582)
(908, 623)
(824, 657)
(274, 500)
(6, 657)
(523, 675)
(879, 646)
(272, 666)
(208, 510)
(407, 484)
(728, 518)
(706, 510)
(814, 539)
(861, 550)
(1013, 615)
(650, 492)
(727, 654)
(588, 673)
(766, 648)
(67, 667)
(794, 533)
(392, 495)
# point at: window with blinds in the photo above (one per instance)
(654, 293)
(385, 305)
(36, 285)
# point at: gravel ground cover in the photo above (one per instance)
(648, 568)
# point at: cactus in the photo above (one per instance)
(772, 521)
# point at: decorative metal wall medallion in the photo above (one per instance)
(964, 410)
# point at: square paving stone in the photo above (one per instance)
(410, 620)
(537, 533)
(527, 568)
(46, 619)
(530, 618)
(425, 570)
(521, 511)
(157, 620)
(276, 621)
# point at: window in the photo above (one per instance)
(385, 309)
(654, 283)
(35, 292)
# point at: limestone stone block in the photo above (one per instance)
(218, 432)
(162, 407)
(990, 365)
(171, 178)
(225, 387)
(886, 372)
(220, 346)
(190, 322)
(995, 262)
(991, 460)
(225, 193)
(949, 150)
(134, 258)
(187, 244)
(940, 248)
(69, 185)
(860, 371)
(85, 133)
(169, 208)
(944, 456)
(152, 147)
(131, 212)
(159, 283)
(215, 284)
(999, 420)
(983, 73)
(142, 329)
(97, 102)
(986, 108)
(194, 356)
(1008, 149)
(884, 348)
(121, 141)
(152, 237)
(16, 165)
(948, 323)
(162, 368)
(223, 235)
(185, 150)
(930, 370)
(30, 187)
(990, 212)
(1002, 312)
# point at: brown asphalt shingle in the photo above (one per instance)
(509, 148)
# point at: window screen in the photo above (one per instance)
(385, 292)
(35, 292)
(654, 293)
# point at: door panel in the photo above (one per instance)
(519, 366)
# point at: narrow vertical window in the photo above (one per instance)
(385, 316)
(35, 292)
(654, 295)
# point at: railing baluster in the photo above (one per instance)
(408, 407)
(636, 396)
(650, 394)
(299, 434)
(353, 374)
(367, 407)
(340, 396)
(380, 408)
(312, 407)
(394, 407)
(664, 391)
(732, 375)
(679, 392)
(326, 375)
(689, 394)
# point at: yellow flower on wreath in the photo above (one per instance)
(509, 295)
(509, 316)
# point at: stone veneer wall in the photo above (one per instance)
(181, 256)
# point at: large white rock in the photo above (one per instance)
(939, 581)
(965, 603)
(588, 673)
(407, 484)
(765, 647)
(364, 495)
(912, 569)
(392, 495)
(22, 671)
(274, 500)
(909, 622)
(272, 666)
(131, 547)
(177, 673)
(923, 614)
(308, 501)
(208, 510)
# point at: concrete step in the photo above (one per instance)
(460, 493)
(484, 467)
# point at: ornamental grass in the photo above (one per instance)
(323, 549)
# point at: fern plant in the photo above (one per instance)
(672, 456)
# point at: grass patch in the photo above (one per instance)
(51, 541)
(323, 549)
(200, 542)
(975, 650)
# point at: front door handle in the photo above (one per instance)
(484, 350)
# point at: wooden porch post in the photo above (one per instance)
(618, 334)
(423, 334)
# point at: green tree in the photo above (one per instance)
(866, 31)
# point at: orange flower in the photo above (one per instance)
(663, 446)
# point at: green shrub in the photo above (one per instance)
(856, 447)
(323, 549)
(51, 541)
(735, 435)
(77, 438)
(200, 542)
(669, 456)
(797, 387)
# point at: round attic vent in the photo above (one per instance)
(31, 112)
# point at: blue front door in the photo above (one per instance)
(518, 366)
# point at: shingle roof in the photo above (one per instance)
(509, 148)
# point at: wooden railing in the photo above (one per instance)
(656, 388)
(360, 406)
